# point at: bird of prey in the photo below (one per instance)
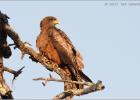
(56, 46)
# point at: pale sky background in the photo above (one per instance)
(108, 37)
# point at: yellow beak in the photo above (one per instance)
(56, 21)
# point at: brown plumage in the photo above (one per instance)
(54, 44)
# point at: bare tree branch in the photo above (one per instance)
(15, 73)
(60, 80)
(28, 50)
(78, 92)
(92, 87)
(41, 59)
(63, 73)
(5, 91)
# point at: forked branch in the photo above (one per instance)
(92, 87)
(52, 67)
(50, 78)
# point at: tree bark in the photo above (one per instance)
(63, 73)
(69, 88)
(5, 91)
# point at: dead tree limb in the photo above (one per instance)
(47, 64)
(92, 87)
(41, 59)
(5, 91)
(78, 92)
(15, 73)
(50, 78)
(28, 50)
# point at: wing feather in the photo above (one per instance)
(67, 51)
(77, 54)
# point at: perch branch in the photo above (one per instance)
(77, 92)
(28, 50)
(5, 91)
(50, 66)
(60, 80)
(92, 87)
(39, 58)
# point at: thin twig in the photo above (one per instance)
(50, 65)
(77, 92)
(5, 91)
(60, 80)
(92, 87)
(15, 73)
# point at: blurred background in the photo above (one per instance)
(106, 36)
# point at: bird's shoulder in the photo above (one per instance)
(64, 35)
(68, 41)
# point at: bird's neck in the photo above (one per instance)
(47, 27)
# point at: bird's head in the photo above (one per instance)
(49, 21)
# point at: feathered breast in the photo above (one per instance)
(46, 47)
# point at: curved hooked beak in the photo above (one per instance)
(56, 21)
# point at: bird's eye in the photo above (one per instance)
(51, 19)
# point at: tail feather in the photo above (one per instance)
(74, 76)
(84, 77)
(78, 75)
